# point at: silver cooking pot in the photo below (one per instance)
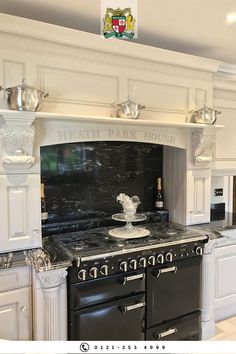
(24, 97)
(128, 109)
(204, 115)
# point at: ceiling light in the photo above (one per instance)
(231, 18)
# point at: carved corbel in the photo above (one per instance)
(203, 147)
(17, 139)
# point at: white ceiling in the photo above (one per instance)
(196, 27)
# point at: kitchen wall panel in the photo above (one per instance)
(78, 87)
(159, 96)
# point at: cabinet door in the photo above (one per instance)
(20, 216)
(198, 196)
(15, 314)
(225, 282)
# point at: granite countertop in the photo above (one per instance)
(216, 229)
(52, 256)
(42, 259)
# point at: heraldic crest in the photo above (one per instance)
(118, 23)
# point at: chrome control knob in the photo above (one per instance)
(82, 274)
(133, 264)
(160, 258)
(151, 261)
(93, 272)
(104, 269)
(199, 250)
(124, 266)
(142, 262)
(169, 257)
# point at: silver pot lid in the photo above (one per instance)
(23, 86)
(128, 103)
(206, 109)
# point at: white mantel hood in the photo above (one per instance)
(20, 130)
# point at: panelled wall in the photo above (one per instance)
(85, 74)
(82, 79)
(224, 99)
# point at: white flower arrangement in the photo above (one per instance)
(129, 204)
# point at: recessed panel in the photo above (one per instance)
(159, 96)
(199, 195)
(8, 321)
(225, 269)
(79, 87)
(17, 207)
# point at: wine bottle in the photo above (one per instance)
(44, 212)
(159, 202)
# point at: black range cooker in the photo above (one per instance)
(140, 289)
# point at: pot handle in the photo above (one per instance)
(45, 94)
(1, 88)
(142, 107)
(217, 112)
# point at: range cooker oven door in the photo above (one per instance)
(173, 290)
(116, 320)
(185, 328)
(108, 308)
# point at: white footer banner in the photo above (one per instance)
(69, 347)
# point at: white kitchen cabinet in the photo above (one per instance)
(198, 196)
(20, 212)
(15, 304)
(225, 280)
(15, 314)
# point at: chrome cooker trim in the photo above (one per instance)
(143, 248)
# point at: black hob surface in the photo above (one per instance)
(98, 242)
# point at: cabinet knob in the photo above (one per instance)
(35, 231)
(24, 308)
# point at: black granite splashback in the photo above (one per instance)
(83, 179)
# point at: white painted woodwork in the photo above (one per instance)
(198, 196)
(208, 291)
(84, 75)
(174, 183)
(225, 289)
(20, 212)
(15, 314)
(218, 287)
(16, 277)
(224, 95)
(50, 305)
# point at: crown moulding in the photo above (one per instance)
(66, 36)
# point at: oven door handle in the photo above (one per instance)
(166, 270)
(125, 309)
(165, 334)
(133, 277)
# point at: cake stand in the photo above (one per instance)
(128, 231)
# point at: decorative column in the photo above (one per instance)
(208, 289)
(50, 305)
